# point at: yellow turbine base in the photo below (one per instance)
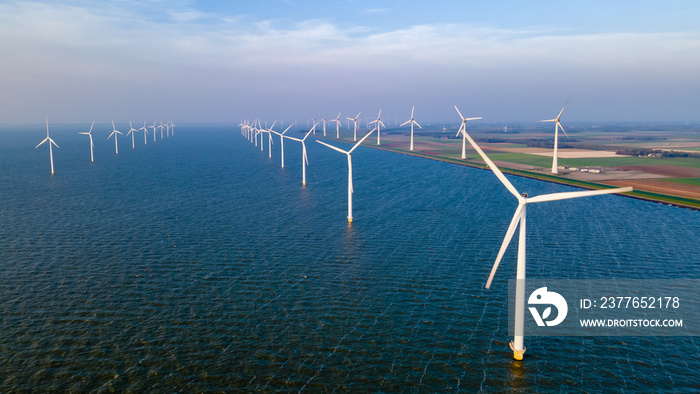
(349, 219)
(517, 354)
(303, 183)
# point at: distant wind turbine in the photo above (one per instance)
(154, 130)
(337, 126)
(557, 125)
(349, 154)
(519, 217)
(50, 142)
(282, 141)
(269, 139)
(463, 130)
(145, 132)
(304, 158)
(132, 131)
(379, 123)
(354, 138)
(324, 126)
(114, 133)
(412, 122)
(89, 133)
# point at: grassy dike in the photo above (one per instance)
(683, 202)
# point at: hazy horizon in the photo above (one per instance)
(210, 62)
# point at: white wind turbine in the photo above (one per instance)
(269, 139)
(132, 131)
(349, 154)
(154, 130)
(145, 132)
(172, 128)
(379, 122)
(89, 133)
(304, 158)
(354, 138)
(337, 126)
(161, 129)
(557, 126)
(519, 217)
(463, 130)
(412, 122)
(282, 141)
(50, 142)
(114, 133)
(324, 126)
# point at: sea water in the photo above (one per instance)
(197, 263)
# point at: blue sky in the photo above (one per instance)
(211, 61)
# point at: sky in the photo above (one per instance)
(225, 61)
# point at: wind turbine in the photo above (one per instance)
(354, 120)
(89, 133)
(412, 122)
(114, 133)
(519, 217)
(131, 131)
(269, 139)
(378, 121)
(557, 125)
(304, 158)
(282, 141)
(172, 128)
(337, 126)
(50, 142)
(349, 154)
(154, 130)
(463, 130)
(324, 126)
(145, 132)
(161, 129)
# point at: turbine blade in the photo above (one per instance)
(406, 122)
(460, 114)
(506, 242)
(307, 134)
(360, 141)
(562, 109)
(45, 139)
(493, 167)
(585, 193)
(93, 123)
(478, 117)
(287, 129)
(416, 123)
(562, 129)
(332, 147)
(412, 109)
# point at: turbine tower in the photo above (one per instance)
(304, 158)
(50, 142)
(89, 133)
(354, 138)
(132, 132)
(517, 345)
(557, 126)
(282, 141)
(349, 154)
(463, 130)
(379, 122)
(412, 122)
(114, 133)
(337, 126)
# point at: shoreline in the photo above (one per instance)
(681, 202)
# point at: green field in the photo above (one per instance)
(685, 181)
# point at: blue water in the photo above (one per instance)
(196, 263)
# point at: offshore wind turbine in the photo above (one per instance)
(557, 126)
(337, 126)
(517, 345)
(161, 129)
(354, 138)
(324, 126)
(269, 139)
(114, 133)
(50, 142)
(131, 131)
(282, 141)
(89, 133)
(304, 158)
(412, 122)
(172, 128)
(154, 130)
(379, 122)
(463, 130)
(145, 132)
(349, 154)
